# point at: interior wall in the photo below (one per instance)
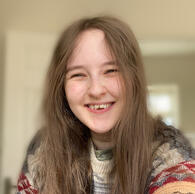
(1, 77)
(150, 19)
(176, 70)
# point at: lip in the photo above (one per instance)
(101, 110)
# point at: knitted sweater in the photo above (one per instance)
(173, 168)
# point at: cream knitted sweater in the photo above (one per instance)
(101, 167)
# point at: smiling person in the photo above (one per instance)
(98, 136)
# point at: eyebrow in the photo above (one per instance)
(81, 67)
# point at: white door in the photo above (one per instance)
(27, 58)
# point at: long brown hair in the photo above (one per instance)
(65, 158)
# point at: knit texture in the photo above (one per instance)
(101, 163)
(173, 169)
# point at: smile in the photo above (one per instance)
(99, 108)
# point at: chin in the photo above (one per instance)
(100, 130)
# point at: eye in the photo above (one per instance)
(111, 71)
(77, 75)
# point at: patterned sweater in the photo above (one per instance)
(173, 169)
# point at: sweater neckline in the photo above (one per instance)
(102, 163)
(103, 155)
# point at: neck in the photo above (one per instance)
(102, 141)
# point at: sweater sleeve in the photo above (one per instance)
(173, 166)
(25, 185)
(28, 175)
(178, 179)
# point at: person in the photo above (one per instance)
(98, 135)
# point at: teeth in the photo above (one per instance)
(97, 106)
(102, 106)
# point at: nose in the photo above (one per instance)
(96, 88)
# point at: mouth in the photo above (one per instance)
(99, 107)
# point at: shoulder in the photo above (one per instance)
(173, 167)
(27, 182)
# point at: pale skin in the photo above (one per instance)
(93, 86)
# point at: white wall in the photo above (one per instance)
(177, 70)
(149, 18)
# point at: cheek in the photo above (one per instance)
(73, 91)
(115, 86)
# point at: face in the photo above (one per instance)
(93, 83)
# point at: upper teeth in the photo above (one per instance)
(97, 106)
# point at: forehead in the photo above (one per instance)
(90, 47)
(91, 35)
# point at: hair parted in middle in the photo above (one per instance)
(65, 140)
